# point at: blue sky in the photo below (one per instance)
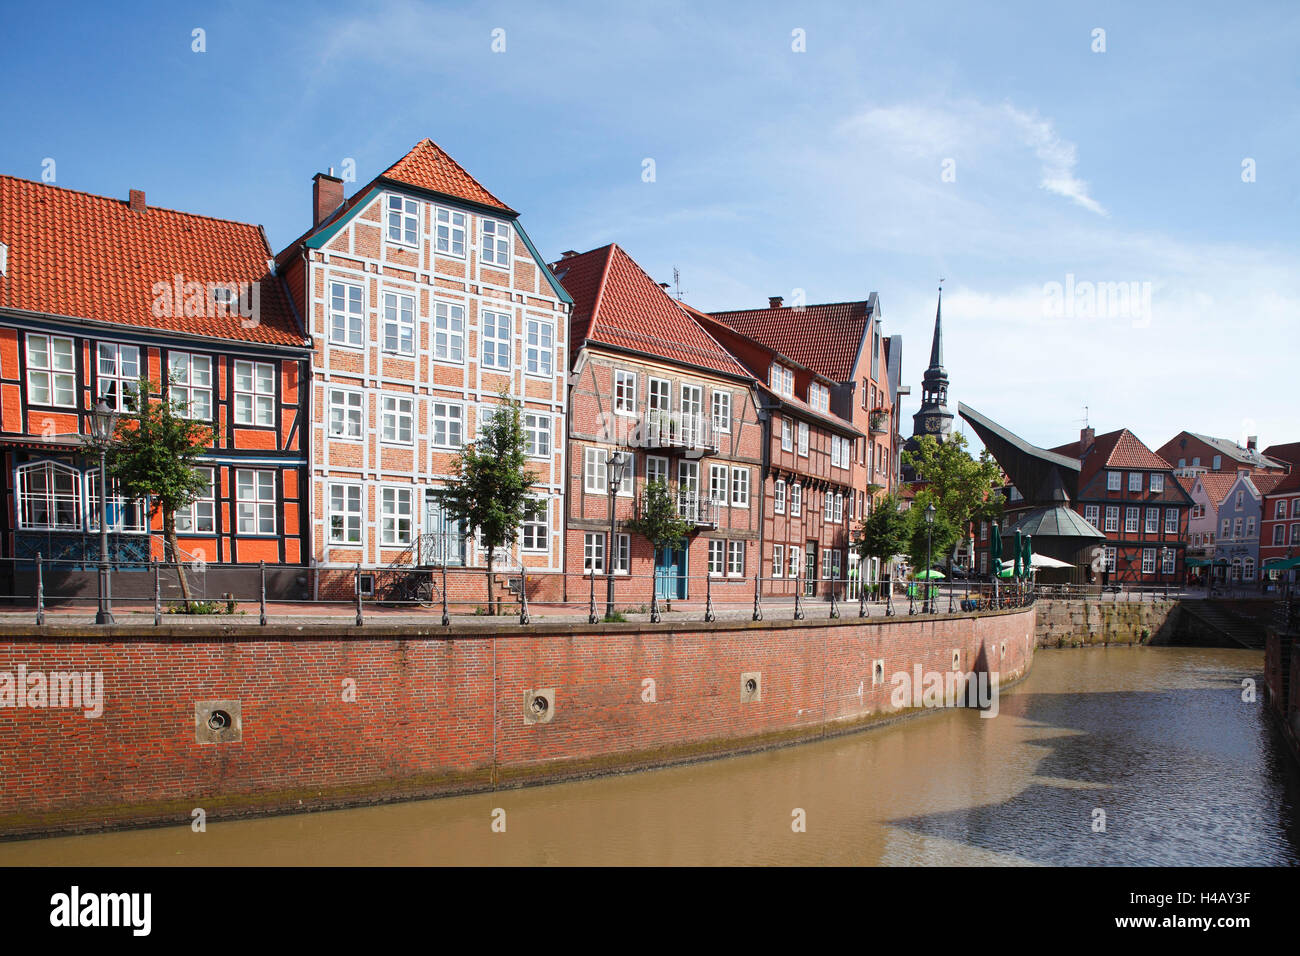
(775, 170)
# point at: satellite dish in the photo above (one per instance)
(1098, 560)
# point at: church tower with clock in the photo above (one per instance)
(933, 418)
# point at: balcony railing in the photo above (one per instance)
(878, 421)
(663, 430)
(699, 510)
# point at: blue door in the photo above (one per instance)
(670, 573)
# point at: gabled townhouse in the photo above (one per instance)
(1239, 514)
(1207, 490)
(1131, 494)
(97, 293)
(842, 345)
(809, 453)
(1279, 542)
(424, 300)
(1191, 450)
(648, 382)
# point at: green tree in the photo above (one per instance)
(155, 455)
(491, 490)
(959, 486)
(658, 519)
(938, 539)
(884, 532)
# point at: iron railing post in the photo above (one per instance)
(446, 621)
(157, 596)
(798, 601)
(835, 608)
(261, 615)
(862, 595)
(708, 598)
(40, 590)
(592, 618)
(523, 597)
(356, 588)
(758, 608)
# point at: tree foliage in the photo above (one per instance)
(884, 532)
(155, 455)
(960, 487)
(491, 489)
(658, 519)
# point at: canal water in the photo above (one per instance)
(1159, 740)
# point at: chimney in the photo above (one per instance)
(326, 196)
(568, 254)
(774, 301)
(1087, 436)
(1252, 442)
(137, 200)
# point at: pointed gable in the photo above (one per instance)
(429, 168)
(617, 304)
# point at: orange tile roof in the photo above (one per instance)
(824, 338)
(91, 257)
(1217, 484)
(427, 166)
(616, 303)
(1118, 449)
(1266, 483)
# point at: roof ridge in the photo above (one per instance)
(126, 202)
(814, 305)
(442, 153)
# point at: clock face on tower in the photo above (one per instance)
(934, 423)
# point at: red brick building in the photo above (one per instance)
(96, 293)
(649, 382)
(1279, 527)
(425, 300)
(1188, 450)
(1131, 494)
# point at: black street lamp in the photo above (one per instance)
(103, 425)
(616, 464)
(929, 535)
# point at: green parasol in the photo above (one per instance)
(1019, 553)
(1029, 554)
(996, 548)
(930, 575)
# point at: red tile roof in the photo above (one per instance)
(91, 257)
(1288, 485)
(617, 304)
(824, 338)
(426, 166)
(1266, 483)
(1119, 449)
(1217, 484)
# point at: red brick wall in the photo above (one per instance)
(426, 719)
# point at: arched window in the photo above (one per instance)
(1248, 569)
(49, 497)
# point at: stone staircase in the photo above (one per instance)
(1235, 628)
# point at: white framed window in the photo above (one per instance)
(1227, 527)
(396, 516)
(1218, 462)
(1250, 527)
(51, 371)
(782, 379)
(1247, 568)
(803, 439)
(656, 469)
(1279, 534)
(839, 508)
(1167, 562)
(778, 496)
(1236, 527)
(117, 375)
(539, 348)
(736, 559)
(835, 451)
(200, 515)
(623, 556)
(624, 392)
(718, 481)
(778, 560)
(1157, 483)
(1171, 521)
(1113, 479)
(124, 517)
(535, 534)
(347, 315)
(448, 332)
(796, 559)
(1131, 520)
(1279, 510)
(818, 396)
(403, 220)
(1295, 534)
(717, 556)
(1135, 481)
(1295, 508)
(594, 475)
(1091, 514)
(189, 385)
(399, 323)
(496, 340)
(796, 500)
(496, 243)
(1148, 560)
(49, 497)
(255, 504)
(1241, 497)
(347, 416)
(1153, 520)
(449, 232)
(721, 411)
(345, 512)
(828, 507)
(1110, 554)
(740, 487)
(787, 435)
(448, 425)
(398, 420)
(537, 434)
(254, 393)
(593, 552)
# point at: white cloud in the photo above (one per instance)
(1059, 158)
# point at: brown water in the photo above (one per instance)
(1158, 738)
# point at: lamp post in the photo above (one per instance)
(103, 424)
(929, 536)
(616, 464)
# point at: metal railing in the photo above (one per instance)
(261, 593)
(664, 430)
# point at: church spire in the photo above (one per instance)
(936, 346)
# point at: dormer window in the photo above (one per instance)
(782, 380)
(819, 396)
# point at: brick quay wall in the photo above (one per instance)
(328, 716)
